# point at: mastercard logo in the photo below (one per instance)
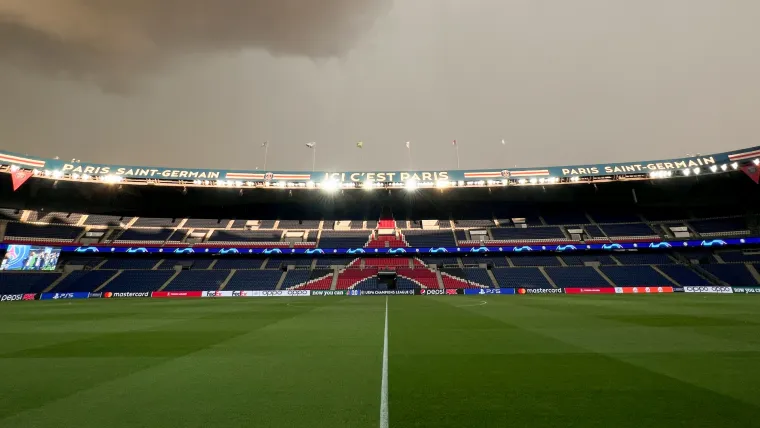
(107, 295)
(521, 291)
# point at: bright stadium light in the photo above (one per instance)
(112, 179)
(330, 186)
(686, 172)
(442, 183)
(14, 168)
(86, 177)
(724, 167)
(368, 185)
(696, 171)
(75, 176)
(310, 184)
(735, 165)
(714, 168)
(48, 173)
(411, 185)
(522, 181)
(57, 174)
(575, 179)
(756, 162)
(533, 180)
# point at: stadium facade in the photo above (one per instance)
(126, 231)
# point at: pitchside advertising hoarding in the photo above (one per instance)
(746, 290)
(709, 289)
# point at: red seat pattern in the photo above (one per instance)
(387, 262)
(386, 224)
(454, 282)
(350, 277)
(323, 283)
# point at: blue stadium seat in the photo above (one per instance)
(530, 233)
(529, 260)
(683, 275)
(295, 277)
(579, 260)
(227, 264)
(130, 263)
(578, 276)
(633, 229)
(139, 280)
(634, 258)
(254, 280)
(423, 238)
(145, 235)
(47, 232)
(26, 282)
(478, 276)
(721, 226)
(634, 276)
(736, 275)
(339, 239)
(83, 280)
(197, 280)
(529, 277)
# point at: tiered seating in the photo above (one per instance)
(295, 277)
(439, 260)
(279, 262)
(254, 280)
(206, 223)
(474, 223)
(530, 260)
(370, 283)
(347, 239)
(106, 220)
(85, 262)
(579, 260)
(683, 275)
(372, 224)
(349, 277)
(478, 276)
(299, 224)
(318, 280)
(529, 234)
(25, 282)
(576, 277)
(736, 275)
(722, 226)
(130, 263)
(529, 277)
(41, 233)
(386, 241)
(386, 224)
(156, 222)
(240, 264)
(198, 264)
(613, 216)
(386, 262)
(197, 280)
(461, 235)
(496, 261)
(634, 276)
(594, 232)
(453, 278)
(145, 235)
(83, 281)
(236, 236)
(629, 231)
(139, 280)
(419, 277)
(738, 257)
(424, 238)
(54, 217)
(403, 283)
(633, 258)
(263, 224)
(325, 262)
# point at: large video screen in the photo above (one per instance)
(30, 257)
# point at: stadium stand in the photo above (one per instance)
(423, 238)
(83, 281)
(737, 275)
(131, 263)
(254, 280)
(197, 280)
(26, 282)
(42, 233)
(526, 277)
(535, 260)
(634, 276)
(578, 276)
(349, 239)
(683, 275)
(138, 280)
(239, 264)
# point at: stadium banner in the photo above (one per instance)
(95, 296)
(206, 249)
(11, 297)
(61, 296)
(171, 173)
(540, 291)
(746, 290)
(482, 291)
(175, 294)
(642, 290)
(590, 290)
(223, 293)
(678, 289)
(380, 292)
(125, 294)
(709, 289)
(328, 293)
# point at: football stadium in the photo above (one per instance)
(595, 295)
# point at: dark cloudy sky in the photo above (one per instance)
(202, 83)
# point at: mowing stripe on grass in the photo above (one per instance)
(384, 382)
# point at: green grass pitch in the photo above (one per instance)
(454, 361)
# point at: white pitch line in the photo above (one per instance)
(482, 302)
(384, 383)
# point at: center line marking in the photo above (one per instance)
(384, 383)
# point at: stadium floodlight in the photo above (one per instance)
(14, 168)
(75, 176)
(756, 162)
(714, 168)
(522, 181)
(575, 179)
(686, 172)
(533, 180)
(735, 165)
(411, 185)
(281, 184)
(48, 173)
(330, 186)
(111, 179)
(696, 171)
(724, 167)
(443, 183)
(85, 177)
(461, 183)
(310, 184)
(57, 174)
